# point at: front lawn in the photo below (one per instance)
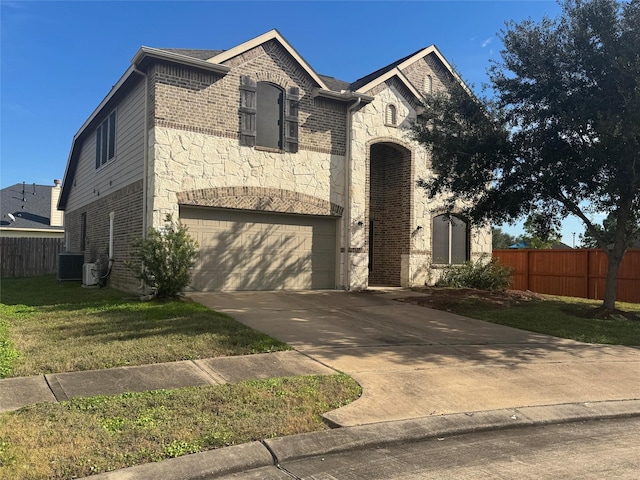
(84, 436)
(565, 317)
(48, 327)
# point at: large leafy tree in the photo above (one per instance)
(561, 133)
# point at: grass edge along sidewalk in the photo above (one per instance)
(52, 327)
(89, 435)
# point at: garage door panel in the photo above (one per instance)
(260, 251)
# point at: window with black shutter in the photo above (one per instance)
(291, 120)
(248, 107)
(268, 115)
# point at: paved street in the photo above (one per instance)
(603, 449)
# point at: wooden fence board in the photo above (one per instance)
(29, 257)
(572, 273)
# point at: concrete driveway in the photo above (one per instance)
(414, 362)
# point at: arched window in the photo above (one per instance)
(268, 115)
(391, 115)
(450, 240)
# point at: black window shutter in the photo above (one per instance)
(248, 107)
(291, 120)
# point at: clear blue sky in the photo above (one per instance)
(59, 59)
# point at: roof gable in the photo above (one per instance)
(374, 79)
(265, 37)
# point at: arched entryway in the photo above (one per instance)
(390, 202)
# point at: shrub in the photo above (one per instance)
(164, 259)
(480, 274)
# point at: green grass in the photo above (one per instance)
(48, 327)
(563, 317)
(97, 434)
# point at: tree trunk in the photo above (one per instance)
(614, 260)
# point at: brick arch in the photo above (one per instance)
(275, 78)
(260, 199)
(390, 172)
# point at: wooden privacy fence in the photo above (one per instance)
(29, 257)
(572, 273)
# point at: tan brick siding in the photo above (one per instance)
(429, 65)
(260, 199)
(126, 203)
(202, 102)
(390, 211)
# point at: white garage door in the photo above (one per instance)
(261, 251)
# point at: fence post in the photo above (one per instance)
(528, 259)
(587, 272)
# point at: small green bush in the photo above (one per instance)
(481, 274)
(164, 259)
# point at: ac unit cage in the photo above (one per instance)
(70, 266)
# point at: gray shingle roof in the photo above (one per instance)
(199, 54)
(335, 84)
(364, 80)
(37, 208)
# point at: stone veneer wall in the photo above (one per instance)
(126, 204)
(190, 161)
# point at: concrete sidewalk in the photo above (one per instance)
(18, 392)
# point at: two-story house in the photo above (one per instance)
(288, 179)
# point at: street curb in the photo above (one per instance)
(413, 430)
(206, 465)
(218, 463)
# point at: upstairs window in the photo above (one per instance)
(268, 115)
(450, 240)
(106, 140)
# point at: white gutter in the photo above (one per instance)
(341, 96)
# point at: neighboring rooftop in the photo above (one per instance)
(27, 205)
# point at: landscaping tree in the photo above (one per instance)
(500, 239)
(543, 230)
(164, 259)
(561, 134)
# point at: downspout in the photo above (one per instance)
(347, 195)
(145, 154)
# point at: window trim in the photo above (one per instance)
(106, 140)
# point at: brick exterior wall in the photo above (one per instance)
(429, 65)
(203, 102)
(126, 204)
(390, 211)
(260, 199)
